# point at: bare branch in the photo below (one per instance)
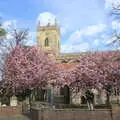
(20, 35)
(7, 45)
(116, 9)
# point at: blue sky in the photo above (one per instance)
(85, 24)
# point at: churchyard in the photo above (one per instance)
(90, 90)
(35, 86)
(39, 82)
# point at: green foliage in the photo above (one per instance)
(5, 92)
(2, 31)
(21, 95)
(5, 100)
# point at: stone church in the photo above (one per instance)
(48, 38)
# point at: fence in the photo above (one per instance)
(75, 114)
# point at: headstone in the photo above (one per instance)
(103, 97)
(96, 96)
(4, 105)
(27, 100)
(76, 98)
(13, 101)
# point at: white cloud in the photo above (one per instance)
(93, 30)
(96, 42)
(66, 48)
(109, 40)
(64, 29)
(9, 36)
(45, 18)
(75, 37)
(116, 25)
(6, 24)
(76, 42)
(76, 13)
(31, 39)
(106, 39)
(9, 24)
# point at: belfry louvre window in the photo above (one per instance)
(46, 42)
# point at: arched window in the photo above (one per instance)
(46, 42)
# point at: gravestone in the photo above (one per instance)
(4, 105)
(77, 98)
(13, 101)
(103, 96)
(96, 96)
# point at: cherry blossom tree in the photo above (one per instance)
(9, 42)
(29, 67)
(99, 68)
(9, 39)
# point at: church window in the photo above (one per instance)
(46, 42)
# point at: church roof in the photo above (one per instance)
(67, 66)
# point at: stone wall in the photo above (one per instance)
(116, 112)
(10, 111)
(70, 114)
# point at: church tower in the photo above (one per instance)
(48, 38)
